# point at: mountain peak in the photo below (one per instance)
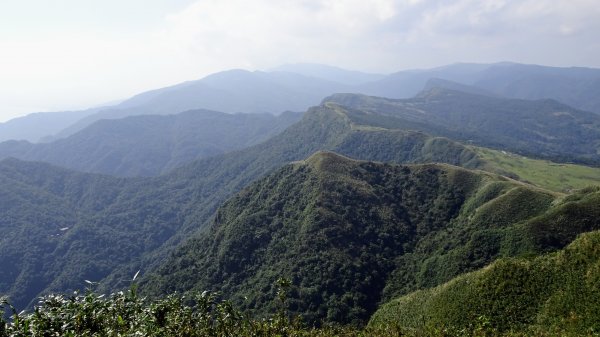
(329, 161)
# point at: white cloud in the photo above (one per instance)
(377, 35)
(262, 32)
(504, 17)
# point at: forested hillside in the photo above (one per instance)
(150, 145)
(144, 219)
(351, 234)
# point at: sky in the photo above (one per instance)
(73, 54)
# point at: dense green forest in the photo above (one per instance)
(348, 236)
(553, 294)
(351, 235)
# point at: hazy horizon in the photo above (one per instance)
(71, 54)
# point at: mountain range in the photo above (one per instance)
(153, 144)
(540, 128)
(297, 87)
(435, 211)
(87, 226)
(145, 218)
(577, 87)
(351, 235)
(148, 145)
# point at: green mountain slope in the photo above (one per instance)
(43, 210)
(558, 177)
(543, 128)
(118, 226)
(350, 234)
(556, 293)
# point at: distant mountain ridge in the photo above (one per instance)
(576, 86)
(330, 73)
(301, 86)
(542, 128)
(233, 91)
(35, 127)
(149, 145)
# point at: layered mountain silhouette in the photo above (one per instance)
(578, 87)
(329, 73)
(150, 145)
(297, 87)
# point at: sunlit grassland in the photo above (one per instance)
(543, 173)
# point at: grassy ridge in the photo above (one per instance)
(546, 174)
(379, 114)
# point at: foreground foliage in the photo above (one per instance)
(127, 314)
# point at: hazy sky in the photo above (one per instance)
(67, 54)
